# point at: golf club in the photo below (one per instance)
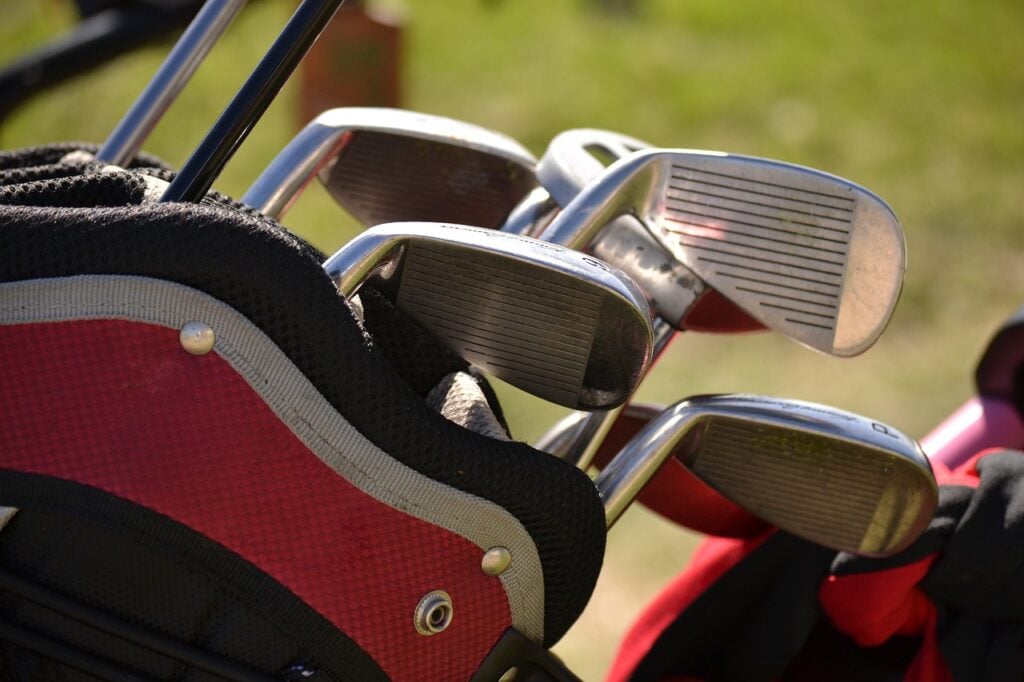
(554, 322)
(390, 165)
(808, 254)
(831, 477)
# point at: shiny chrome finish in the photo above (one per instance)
(388, 165)
(496, 561)
(573, 159)
(808, 254)
(434, 613)
(576, 157)
(554, 322)
(532, 214)
(197, 338)
(829, 476)
(560, 437)
(194, 44)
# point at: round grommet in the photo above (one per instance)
(509, 675)
(197, 338)
(496, 561)
(433, 613)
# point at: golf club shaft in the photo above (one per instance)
(192, 47)
(197, 175)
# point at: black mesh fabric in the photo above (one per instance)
(407, 344)
(51, 154)
(154, 575)
(275, 279)
(89, 191)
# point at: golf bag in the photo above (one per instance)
(291, 492)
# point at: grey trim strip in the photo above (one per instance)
(298, 404)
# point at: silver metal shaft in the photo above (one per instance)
(195, 43)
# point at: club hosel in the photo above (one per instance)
(528, 216)
(281, 183)
(367, 254)
(642, 457)
(611, 195)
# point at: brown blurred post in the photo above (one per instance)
(356, 62)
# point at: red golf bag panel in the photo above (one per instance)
(297, 453)
(144, 420)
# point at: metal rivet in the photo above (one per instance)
(496, 561)
(197, 338)
(433, 613)
(509, 675)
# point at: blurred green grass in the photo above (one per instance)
(922, 102)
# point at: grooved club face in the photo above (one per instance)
(551, 321)
(805, 253)
(387, 165)
(828, 476)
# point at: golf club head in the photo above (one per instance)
(805, 253)
(674, 493)
(388, 165)
(576, 157)
(828, 476)
(554, 322)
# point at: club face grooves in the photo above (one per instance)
(841, 494)
(808, 254)
(552, 321)
(383, 177)
(531, 329)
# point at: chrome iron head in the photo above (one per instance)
(831, 477)
(554, 322)
(575, 157)
(805, 253)
(387, 165)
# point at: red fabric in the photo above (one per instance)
(712, 559)
(929, 664)
(967, 473)
(677, 494)
(872, 607)
(120, 406)
(869, 607)
(713, 312)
